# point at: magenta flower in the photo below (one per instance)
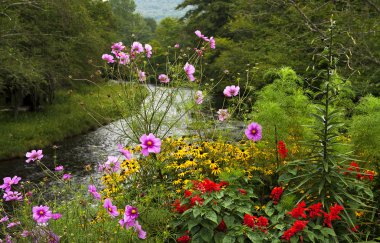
(230, 91)
(117, 47)
(148, 50)
(4, 219)
(12, 196)
(93, 191)
(25, 233)
(176, 45)
(41, 214)
(13, 224)
(190, 70)
(34, 155)
(66, 177)
(253, 132)
(137, 47)
(212, 42)
(131, 213)
(199, 97)
(58, 168)
(125, 152)
(112, 165)
(140, 231)
(164, 78)
(8, 182)
(223, 114)
(111, 209)
(108, 58)
(150, 144)
(199, 34)
(56, 216)
(142, 76)
(123, 58)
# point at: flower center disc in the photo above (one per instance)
(41, 212)
(253, 131)
(109, 209)
(133, 211)
(149, 143)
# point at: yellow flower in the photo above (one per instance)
(359, 213)
(216, 170)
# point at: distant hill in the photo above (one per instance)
(159, 9)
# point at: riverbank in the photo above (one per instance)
(73, 112)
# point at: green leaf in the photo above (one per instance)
(206, 234)
(229, 220)
(269, 211)
(192, 223)
(211, 215)
(228, 239)
(253, 237)
(196, 212)
(328, 231)
(218, 237)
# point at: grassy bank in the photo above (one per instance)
(73, 112)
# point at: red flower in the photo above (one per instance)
(184, 239)
(262, 223)
(355, 228)
(207, 186)
(297, 227)
(196, 198)
(249, 220)
(187, 193)
(222, 226)
(276, 194)
(223, 184)
(369, 175)
(315, 210)
(299, 211)
(242, 191)
(333, 215)
(282, 149)
(178, 207)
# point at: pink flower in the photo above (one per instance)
(199, 34)
(58, 168)
(150, 144)
(112, 165)
(131, 213)
(8, 182)
(230, 91)
(125, 152)
(212, 42)
(199, 97)
(108, 58)
(41, 214)
(25, 233)
(66, 177)
(13, 224)
(164, 78)
(137, 47)
(34, 155)
(94, 193)
(223, 114)
(117, 47)
(148, 49)
(141, 233)
(124, 58)
(190, 70)
(176, 45)
(254, 131)
(4, 219)
(56, 216)
(12, 196)
(111, 209)
(142, 76)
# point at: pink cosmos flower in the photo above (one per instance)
(190, 70)
(137, 47)
(93, 191)
(13, 224)
(148, 50)
(58, 168)
(223, 114)
(150, 144)
(199, 97)
(8, 182)
(212, 42)
(117, 47)
(230, 91)
(199, 34)
(66, 177)
(108, 58)
(176, 45)
(131, 213)
(34, 155)
(112, 165)
(56, 216)
(141, 233)
(4, 219)
(12, 196)
(125, 152)
(41, 214)
(142, 77)
(124, 58)
(25, 233)
(164, 78)
(111, 209)
(254, 132)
